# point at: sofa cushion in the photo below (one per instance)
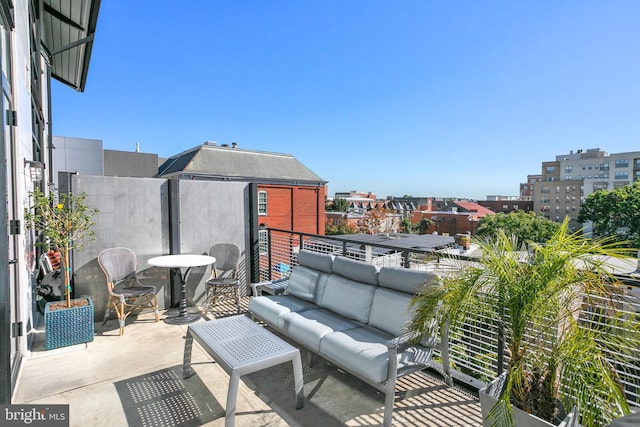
(306, 283)
(390, 311)
(316, 261)
(309, 326)
(356, 270)
(363, 351)
(270, 307)
(405, 280)
(347, 297)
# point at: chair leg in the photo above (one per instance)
(121, 317)
(106, 314)
(155, 306)
(389, 399)
(237, 291)
(207, 299)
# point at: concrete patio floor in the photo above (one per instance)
(136, 380)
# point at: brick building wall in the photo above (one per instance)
(295, 207)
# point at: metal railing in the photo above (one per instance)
(476, 351)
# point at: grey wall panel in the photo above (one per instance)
(212, 212)
(133, 212)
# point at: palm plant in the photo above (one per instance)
(536, 295)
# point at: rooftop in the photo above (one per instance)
(210, 160)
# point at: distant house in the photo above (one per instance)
(451, 217)
(288, 195)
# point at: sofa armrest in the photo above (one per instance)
(274, 287)
(399, 344)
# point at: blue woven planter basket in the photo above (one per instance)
(68, 326)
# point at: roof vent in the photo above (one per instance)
(224, 145)
(234, 145)
(212, 143)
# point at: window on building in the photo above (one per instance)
(551, 169)
(263, 242)
(622, 163)
(622, 175)
(604, 166)
(568, 169)
(515, 207)
(505, 207)
(262, 202)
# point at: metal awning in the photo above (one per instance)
(68, 30)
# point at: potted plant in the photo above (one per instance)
(65, 222)
(536, 294)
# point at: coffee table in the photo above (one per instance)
(240, 346)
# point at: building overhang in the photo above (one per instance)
(69, 27)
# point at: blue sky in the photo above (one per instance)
(427, 98)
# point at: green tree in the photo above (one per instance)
(422, 226)
(339, 205)
(614, 213)
(330, 230)
(406, 226)
(526, 227)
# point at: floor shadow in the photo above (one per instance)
(331, 397)
(163, 399)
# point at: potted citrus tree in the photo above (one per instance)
(537, 295)
(65, 221)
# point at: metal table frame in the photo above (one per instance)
(240, 347)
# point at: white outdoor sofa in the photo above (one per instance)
(354, 315)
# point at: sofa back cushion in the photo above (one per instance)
(306, 283)
(356, 270)
(390, 311)
(316, 261)
(406, 280)
(347, 297)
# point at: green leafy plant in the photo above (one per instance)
(536, 295)
(614, 212)
(526, 226)
(65, 222)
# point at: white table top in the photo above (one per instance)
(181, 261)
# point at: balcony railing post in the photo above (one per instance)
(406, 262)
(269, 239)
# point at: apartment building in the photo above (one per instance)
(570, 178)
(526, 189)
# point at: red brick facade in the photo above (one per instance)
(294, 207)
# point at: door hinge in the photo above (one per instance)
(14, 227)
(16, 329)
(12, 118)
